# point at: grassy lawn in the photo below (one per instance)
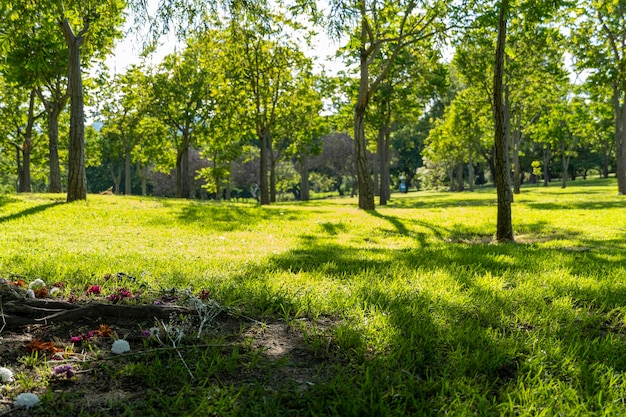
(409, 310)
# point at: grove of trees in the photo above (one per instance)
(433, 94)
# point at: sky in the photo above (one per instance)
(128, 50)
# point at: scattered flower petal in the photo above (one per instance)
(94, 290)
(64, 369)
(37, 284)
(26, 400)
(41, 292)
(120, 346)
(6, 375)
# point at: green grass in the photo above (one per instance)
(409, 310)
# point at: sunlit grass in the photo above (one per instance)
(428, 315)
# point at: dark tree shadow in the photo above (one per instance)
(28, 212)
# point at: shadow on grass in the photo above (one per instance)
(27, 212)
(231, 217)
(469, 351)
(579, 205)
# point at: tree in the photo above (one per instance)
(265, 62)
(599, 44)
(123, 111)
(183, 97)
(504, 227)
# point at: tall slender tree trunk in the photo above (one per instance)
(384, 140)
(127, 182)
(143, 176)
(460, 184)
(264, 138)
(619, 104)
(517, 169)
(183, 189)
(364, 181)
(273, 180)
(504, 228)
(565, 165)
(305, 191)
(116, 177)
(54, 107)
(76, 173)
(471, 175)
(605, 159)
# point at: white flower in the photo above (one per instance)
(37, 284)
(154, 331)
(54, 291)
(6, 375)
(120, 346)
(26, 400)
(30, 294)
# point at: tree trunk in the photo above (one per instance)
(460, 184)
(517, 140)
(546, 166)
(76, 174)
(182, 170)
(619, 103)
(605, 159)
(471, 175)
(364, 181)
(127, 183)
(54, 107)
(264, 138)
(143, 176)
(26, 148)
(116, 177)
(504, 228)
(451, 188)
(384, 140)
(273, 181)
(565, 162)
(305, 193)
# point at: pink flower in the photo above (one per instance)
(94, 290)
(76, 339)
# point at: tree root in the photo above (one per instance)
(18, 311)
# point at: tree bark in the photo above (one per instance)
(264, 138)
(305, 193)
(364, 181)
(619, 104)
(76, 179)
(517, 171)
(471, 175)
(504, 228)
(565, 164)
(460, 184)
(182, 169)
(127, 182)
(384, 140)
(54, 107)
(273, 180)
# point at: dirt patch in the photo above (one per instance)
(98, 381)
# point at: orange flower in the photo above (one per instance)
(37, 345)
